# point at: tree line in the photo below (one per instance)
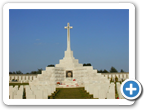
(39, 71)
(112, 70)
(32, 72)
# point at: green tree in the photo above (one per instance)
(19, 72)
(105, 71)
(39, 71)
(84, 64)
(88, 64)
(100, 71)
(51, 65)
(10, 72)
(33, 72)
(27, 73)
(14, 72)
(113, 70)
(122, 71)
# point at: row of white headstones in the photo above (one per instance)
(27, 78)
(120, 77)
(31, 92)
(104, 90)
(22, 79)
(98, 90)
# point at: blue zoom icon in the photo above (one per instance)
(131, 89)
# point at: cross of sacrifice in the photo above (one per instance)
(68, 27)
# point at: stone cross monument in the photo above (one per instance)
(68, 27)
(68, 62)
(69, 71)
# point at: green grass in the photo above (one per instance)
(72, 93)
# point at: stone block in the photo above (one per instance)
(85, 87)
(15, 92)
(12, 77)
(10, 87)
(49, 91)
(26, 86)
(44, 86)
(127, 76)
(119, 79)
(104, 87)
(45, 94)
(20, 78)
(30, 78)
(39, 94)
(9, 78)
(111, 90)
(102, 94)
(19, 96)
(117, 75)
(28, 92)
(121, 75)
(23, 78)
(34, 77)
(20, 92)
(110, 96)
(113, 75)
(21, 87)
(110, 76)
(112, 86)
(33, 88)
(30, 96)
(11, 95)
(119, 91)
(106, 75)
(27, 78)
(16, 77)
(16, 87)
(43, 72)
(91, 89)
(96, 90)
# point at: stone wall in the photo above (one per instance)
(59, 76)
(22, 78)
(120, 76)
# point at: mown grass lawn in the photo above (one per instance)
(72, 93)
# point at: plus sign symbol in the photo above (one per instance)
(131, 89)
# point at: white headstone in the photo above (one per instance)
(30, 96)
(39, 94)
(18, 96)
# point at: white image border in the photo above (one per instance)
(8, 6)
